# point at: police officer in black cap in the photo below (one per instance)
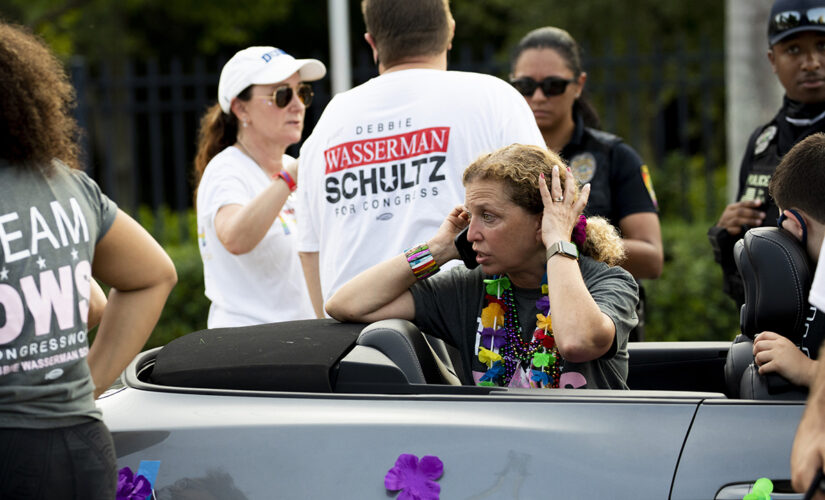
(796, 38)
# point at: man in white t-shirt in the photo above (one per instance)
(383, 165)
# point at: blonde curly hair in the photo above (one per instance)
(518, 166)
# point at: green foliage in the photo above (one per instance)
(187, 307)
(155, 27)
(682, 188)
(594, 23)
(687, 302)
(169, 227)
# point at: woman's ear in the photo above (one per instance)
(581, 81)
(238, 108)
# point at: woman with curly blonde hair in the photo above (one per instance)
(545, 308)
(57, 231)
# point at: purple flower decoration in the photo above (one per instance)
(416, 479)
(131, 487)
(579, 231)
(543, 305)
(496, 337)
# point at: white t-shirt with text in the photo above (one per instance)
(383, 166)
(264, 285)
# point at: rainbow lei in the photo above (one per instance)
(501, 332)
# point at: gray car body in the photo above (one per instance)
(513, 443)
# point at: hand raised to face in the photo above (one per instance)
(561, 206)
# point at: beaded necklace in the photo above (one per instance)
(509, 358)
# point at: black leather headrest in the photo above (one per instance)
(777, 275)
(406, 346)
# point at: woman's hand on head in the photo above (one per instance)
(561, 208)
(442, 245)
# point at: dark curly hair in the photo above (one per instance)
(36, 99)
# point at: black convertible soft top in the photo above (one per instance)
(290, 356)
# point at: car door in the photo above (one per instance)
(733, 443)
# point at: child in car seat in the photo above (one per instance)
(797, 188)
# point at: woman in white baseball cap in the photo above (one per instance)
(244, 179)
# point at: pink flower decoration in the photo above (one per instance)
(415, 479)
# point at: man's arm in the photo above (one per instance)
(808, 453)
(312, 275)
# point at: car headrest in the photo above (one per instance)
(776, 273)
(406, 346)
(740, 356)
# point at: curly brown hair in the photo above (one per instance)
(518, 166)
(36, 100)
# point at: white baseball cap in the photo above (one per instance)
(262, 66)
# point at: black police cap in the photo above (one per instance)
(789, 17)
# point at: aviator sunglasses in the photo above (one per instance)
(550, 86)
(282, 95)
(792, 19)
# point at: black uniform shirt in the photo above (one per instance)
(766, 146)
(620, 183)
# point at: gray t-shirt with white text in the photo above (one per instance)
(49, 226)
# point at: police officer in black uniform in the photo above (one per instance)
(546, 69)
(796, 36)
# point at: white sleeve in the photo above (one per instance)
(817, 296)
(305, 216)
(220, 187)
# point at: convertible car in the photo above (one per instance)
(321, 409)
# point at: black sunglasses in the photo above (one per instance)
(793, 19)
(552, 85)
(282, 95)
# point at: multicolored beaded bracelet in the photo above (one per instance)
(421, 261)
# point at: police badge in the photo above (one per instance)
(583, 167)
(764, 139)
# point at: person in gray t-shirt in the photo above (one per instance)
(57, 232)
(542, 311)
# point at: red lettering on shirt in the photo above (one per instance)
(387, 149)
